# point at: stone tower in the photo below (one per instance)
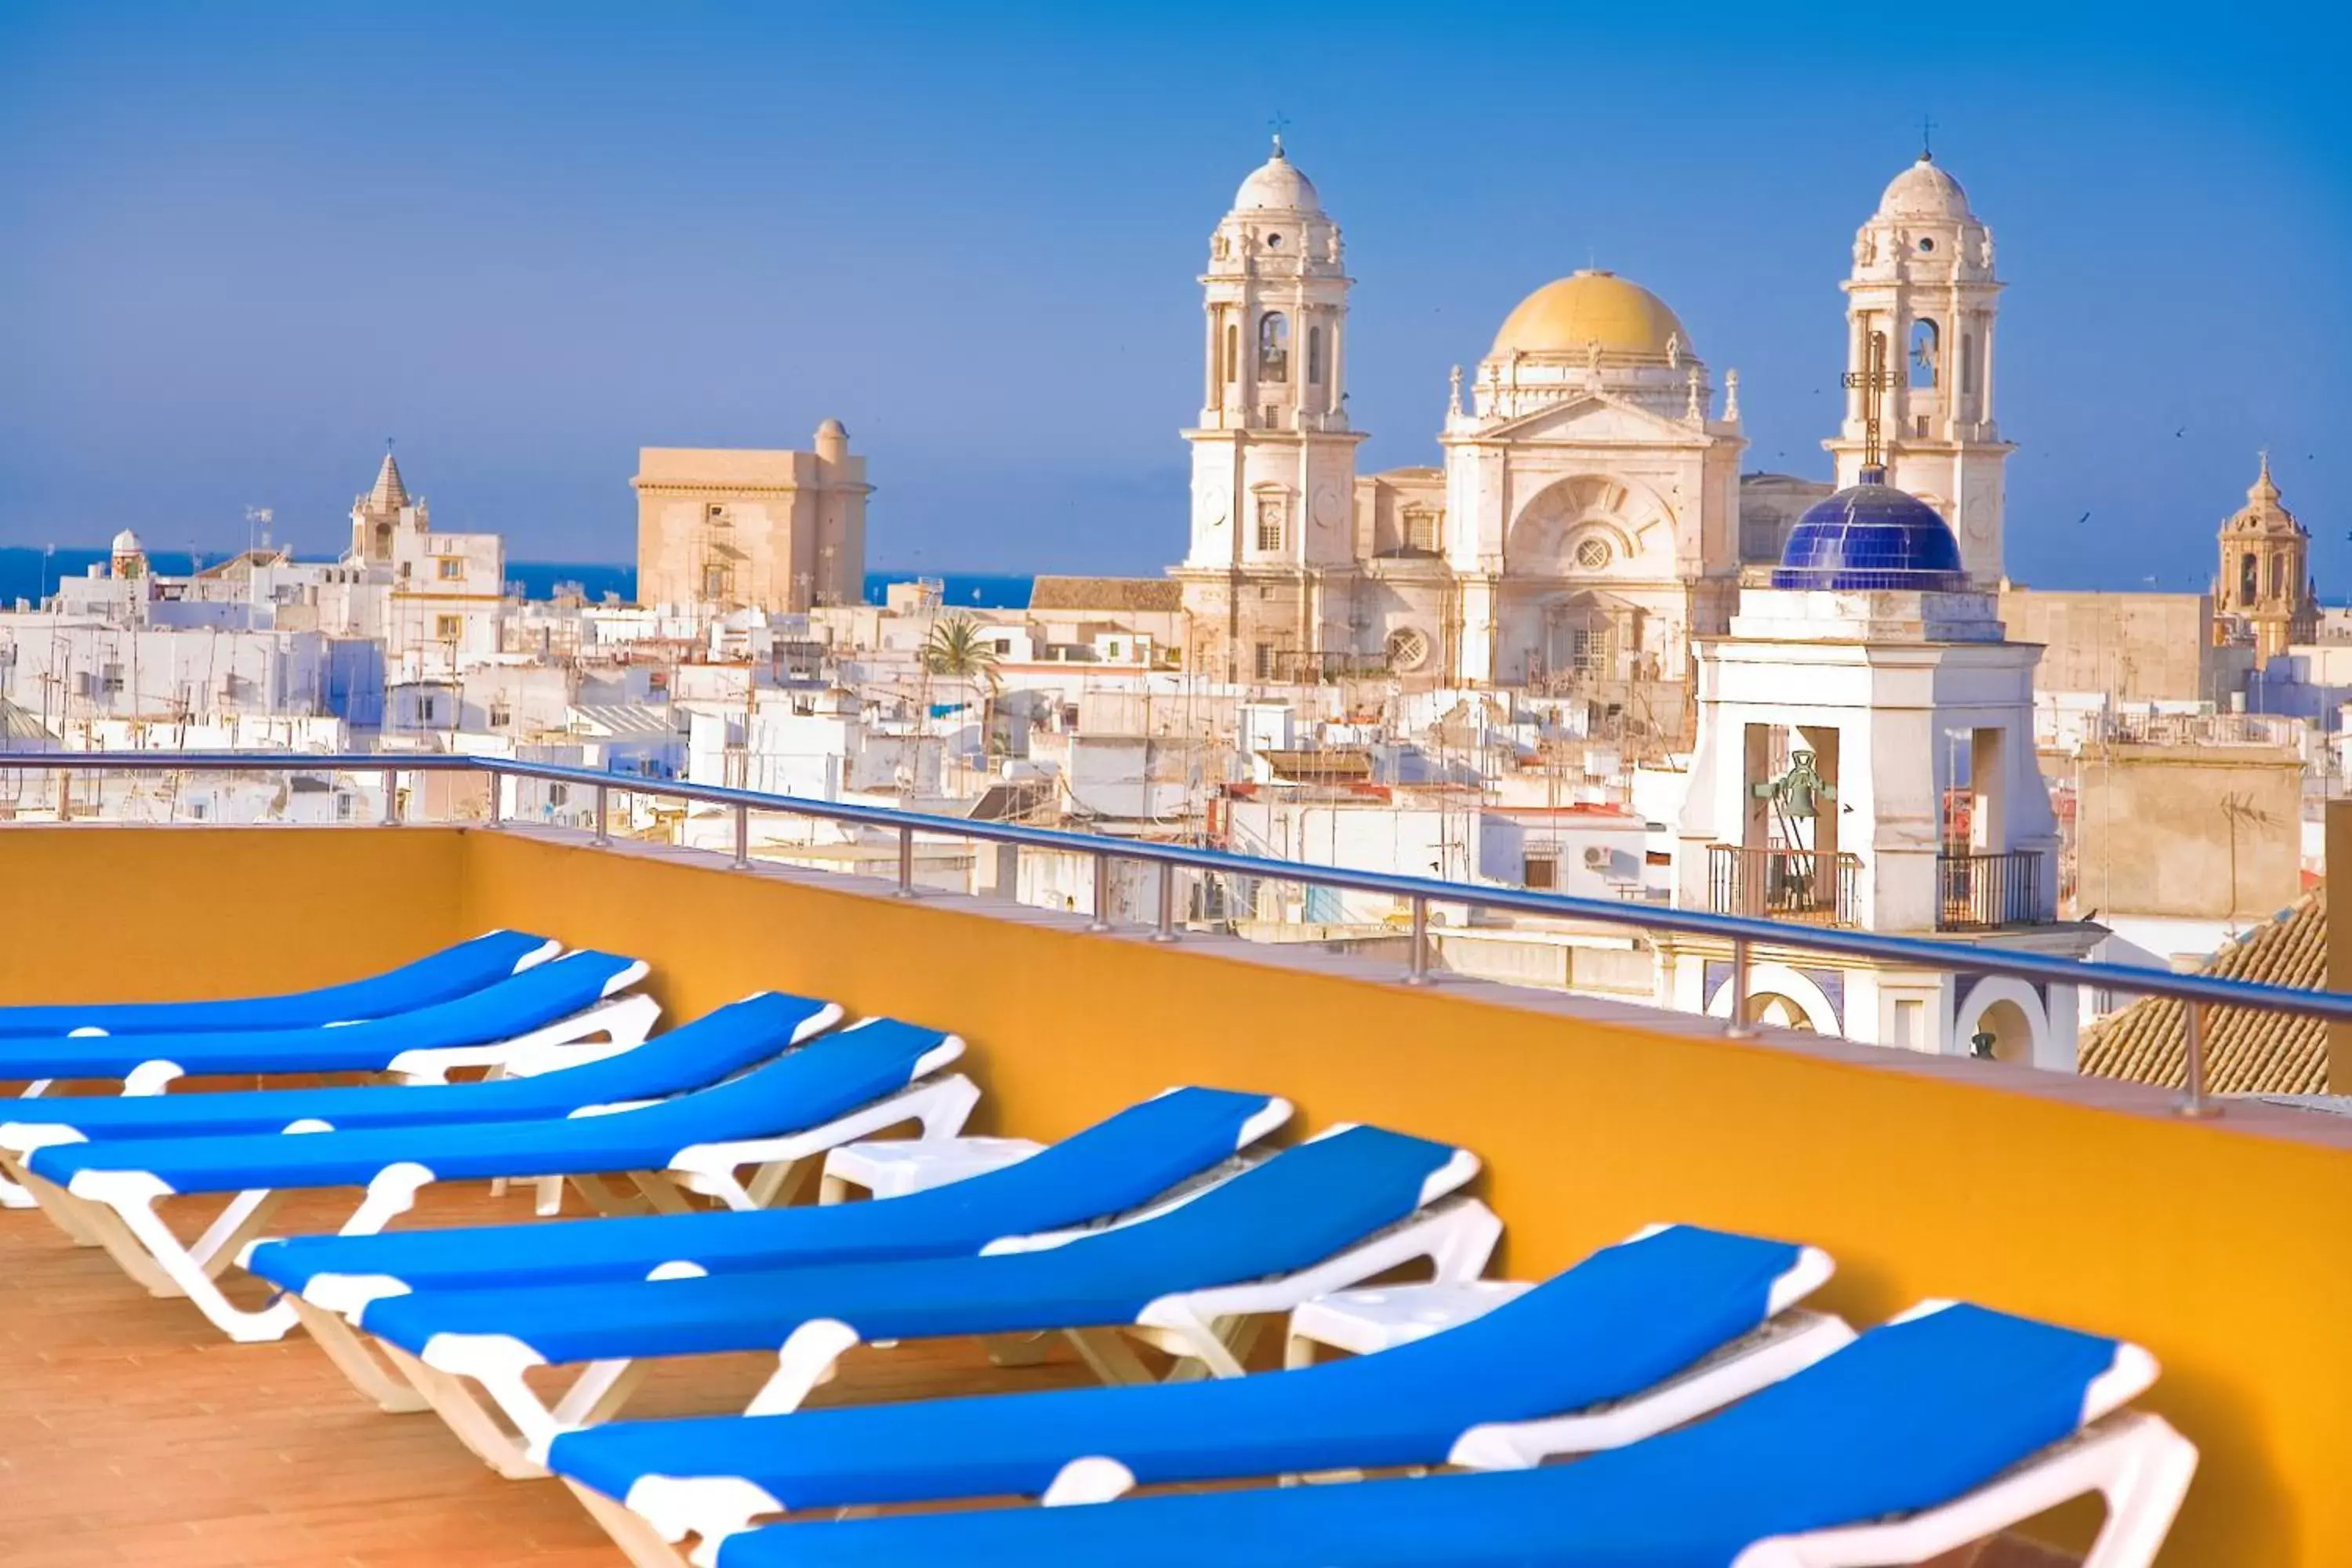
(1273, 460)
(1923, 280)
(2264, 585)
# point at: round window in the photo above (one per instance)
(1408, 648)
(1592, 555)
(1274, 242)
(1925, 243)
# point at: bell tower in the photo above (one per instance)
(1274, 459)
(2264, 584)
(1920, 308)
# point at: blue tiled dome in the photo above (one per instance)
(1871, 536)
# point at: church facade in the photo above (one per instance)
(1584, 524)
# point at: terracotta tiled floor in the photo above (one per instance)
(130, 1433)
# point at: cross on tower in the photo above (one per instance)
(1279, 123)
(1927, 138)
(1874, 380)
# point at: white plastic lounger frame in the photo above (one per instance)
(117, 1209)
(330, 1304)
(660, 1510)
(2136, 1462)
(1457, 1235)
(615, 1025)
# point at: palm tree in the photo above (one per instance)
(956, 648)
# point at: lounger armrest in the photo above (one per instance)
(624, 1023)
(1780, 1349)
(1457, 1235)
(939, 1106)
(2135, 1461)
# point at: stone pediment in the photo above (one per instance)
(1596, 417)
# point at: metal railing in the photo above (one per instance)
(1985, 892)
(1808, 885)
(1742, 934)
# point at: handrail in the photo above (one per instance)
(1741, 931)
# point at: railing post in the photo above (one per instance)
(602, 797)
(742, 837)
(906, 863)
(1102, 893)
(1739, 1028)
(1166, 931)
(1417, 956)
(391, 797)
(2193, 1102)
(496, 818)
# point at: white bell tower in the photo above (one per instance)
(1923, 281)
(1273, 462)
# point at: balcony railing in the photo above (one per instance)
(1984, 892)
(1808, 885)
(1741, 934)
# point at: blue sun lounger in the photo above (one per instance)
(543, 1014)
(1920, 1438)
(551, 1083)
(1339, 1209)
(566, 999)
(850, 1084)
(1658, 1330)
(1114, 1166)
(454, 972)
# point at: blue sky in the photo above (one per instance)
(243, 244)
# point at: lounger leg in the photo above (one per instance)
(547, 1199)
(600, 1391)
(104, 1228)
(1108, 1355)
(235, 1225)
(662, 1194)
(2143, 1498)
(468, 1419)
(638, 1542)
(351, 1356)
(780, 1182)
(187, 1270)
(66, 1217)
(600, 1195)
(1207, 1352)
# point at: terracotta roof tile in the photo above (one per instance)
(1147, 593)
(2246, 1051)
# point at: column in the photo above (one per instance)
(1213, 395)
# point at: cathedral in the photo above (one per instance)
(1588, 518)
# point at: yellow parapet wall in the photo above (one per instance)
(167, 914)
(2219, 1245)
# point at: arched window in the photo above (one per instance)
(2278, 575)
(1925, 368)
(1969, 363)
(1233, 352)
(1274, 347)
(1314, 357)
(2250, 581)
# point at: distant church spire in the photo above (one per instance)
(390, 494)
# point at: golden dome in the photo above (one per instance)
(1570, 314)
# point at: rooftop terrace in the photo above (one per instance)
(129, 1433)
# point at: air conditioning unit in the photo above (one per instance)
(1596, 857)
